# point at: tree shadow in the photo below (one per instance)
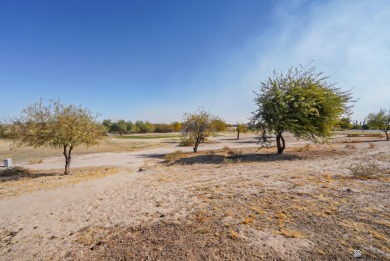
(152, 156)
(16, 173)
(219, 159)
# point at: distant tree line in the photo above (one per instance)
(122, 127)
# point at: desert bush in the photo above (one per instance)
(35, 161)
(350, 146)
(186, 141)
(226, 148)
(231, 153)
(227, 161)
(211, 152)
(15, 172)
(307, 147)
(364, 170)
(174, 156)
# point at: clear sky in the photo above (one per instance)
(154, 60)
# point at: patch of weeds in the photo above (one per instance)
(35, 161)
(233, 234)
(363, 170)
(227, 161)
(226, 148)
(174, 156)
(371, 145)
(291, 233)
(186, 142)
(202, 231)
(307, 147)
(350, 146)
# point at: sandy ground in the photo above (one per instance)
(237, 204)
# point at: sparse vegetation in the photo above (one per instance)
(35, 161)
(365, 170)
(174, 156)
(350, 146)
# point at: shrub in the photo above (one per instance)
(363, 170)
(15, 172)
(174, 156)
(226, 148)
(186, 141)
(304, 148)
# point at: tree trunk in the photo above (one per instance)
(387, 135)
(280, 143)
(68, 158)
(196, 147)
(238, 135)
(197, 141)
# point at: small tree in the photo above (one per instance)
(197, 126)
(301, 102)
(218, 125)
(121, 127)
(56, 125)
(241, 128)
(380, 120)
(344, 123)
(176, 126)
(108, 125)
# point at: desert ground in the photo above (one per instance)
(141, 199)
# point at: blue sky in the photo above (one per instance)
(154, 60)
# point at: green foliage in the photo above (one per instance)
(344, 123)
(56, 125)
(2, 131)
(301, 102)
(218, 125)
(121, 126)
(241, 128)
(176, 126)
(380, 121)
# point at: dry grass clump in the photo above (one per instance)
(371, 145)
(15, 172)
(364, 170)
(350, 146)
(35, 161)
(174, 156)
(226, 149)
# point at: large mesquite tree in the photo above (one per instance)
(301, 102)
(56, 125)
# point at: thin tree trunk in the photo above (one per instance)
(238, 135)
(280, 143)
(68, 158)
(387, 135)
(196, 147)
(197, 141)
